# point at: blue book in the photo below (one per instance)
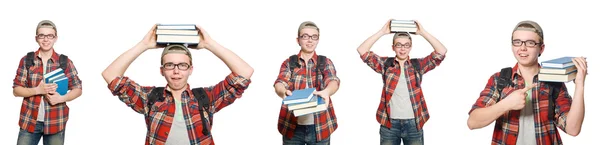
(52, 74)
(310, 110)
(63, 85)
(300, 96)
(562, 62)
(176, 26)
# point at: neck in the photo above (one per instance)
(46, 53)
(306, 55)
(401, 61)
(177, 93)
(529, 71)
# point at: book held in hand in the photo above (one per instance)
(313, 102)
(322, 106)
(58, 77)
(186, 34)
(397, 26)
(558, 70)
(300, 96)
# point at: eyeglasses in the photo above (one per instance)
(528, 43)
(42, 36)
(400, 45)
(306, 36)
(180, 66)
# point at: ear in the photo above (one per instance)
(542, 47)
(191, 70)
(162, 72)
(298, 40)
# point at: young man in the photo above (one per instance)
(177, 114)
(313, 128)
(44, 112)
(402, 111)
(521, 110)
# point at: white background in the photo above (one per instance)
(477, 35)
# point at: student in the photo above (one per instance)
(175, 113)
(521, 110)
(402, 110)
(313, 128)
(44, 112)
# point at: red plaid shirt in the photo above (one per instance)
(506, 129)
(161, 113)
(392, 74)
(56, 116)
(325, 121)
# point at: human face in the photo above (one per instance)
(308, 39)
(402, 47)
(45, 38)
(526, 47)
(174, 70)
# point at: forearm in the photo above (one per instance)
(332, 87)
(24, 92)
(367, 44)
(280, 90)
(118, 66)
(435, 43)
(482, 117)
(576, 113)
(72, 95)
(232, 60)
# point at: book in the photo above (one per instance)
(557, 70)
(300, 96)
(562, 62)
(408, 26)
(313, 102)
(51, 74)
(176, 32)
(63, 85)
(176, 26)
(310, 110)
(177, 39)
(557, 77)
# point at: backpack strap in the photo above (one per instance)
(504, 80)
(554, 92)
(204, 105)
(29, 59)
(62, 60)
(155, 95)
(416, 70)
(293, 62)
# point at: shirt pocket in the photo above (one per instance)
(159, 108)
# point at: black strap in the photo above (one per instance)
(156, 95)
(321, 63)
(504, 80)
(293, 62)
(29, 59)
(62, 60)
(554, 92)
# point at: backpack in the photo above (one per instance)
(505, 80)
(62, 61)
(321, 62)
(200, 96)
(389, 62)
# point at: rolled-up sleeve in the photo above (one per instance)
(227, 91)
(130, 93)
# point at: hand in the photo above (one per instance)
(516, 99)
(386, 28)
(420, 29)
(149, 41)
(205, 40)
(581, 65)
(323, 95)
(287, 93)
(55, 98)
(44, 88)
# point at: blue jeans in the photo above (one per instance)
(304, 134)
(404, 130)
(28, 138)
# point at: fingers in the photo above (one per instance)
(288, 92)
(527, 88)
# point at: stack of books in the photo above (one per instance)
(58, 77)
(303, 102)
(185, 34)
(558, 70)
(408, 26)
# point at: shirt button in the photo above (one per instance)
(166, 133)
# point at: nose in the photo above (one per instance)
(523, 47)
(176, 70)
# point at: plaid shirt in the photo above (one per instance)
(161, 114)
(506, 129)
(325, 121)
(392, 74)
(56, 116)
